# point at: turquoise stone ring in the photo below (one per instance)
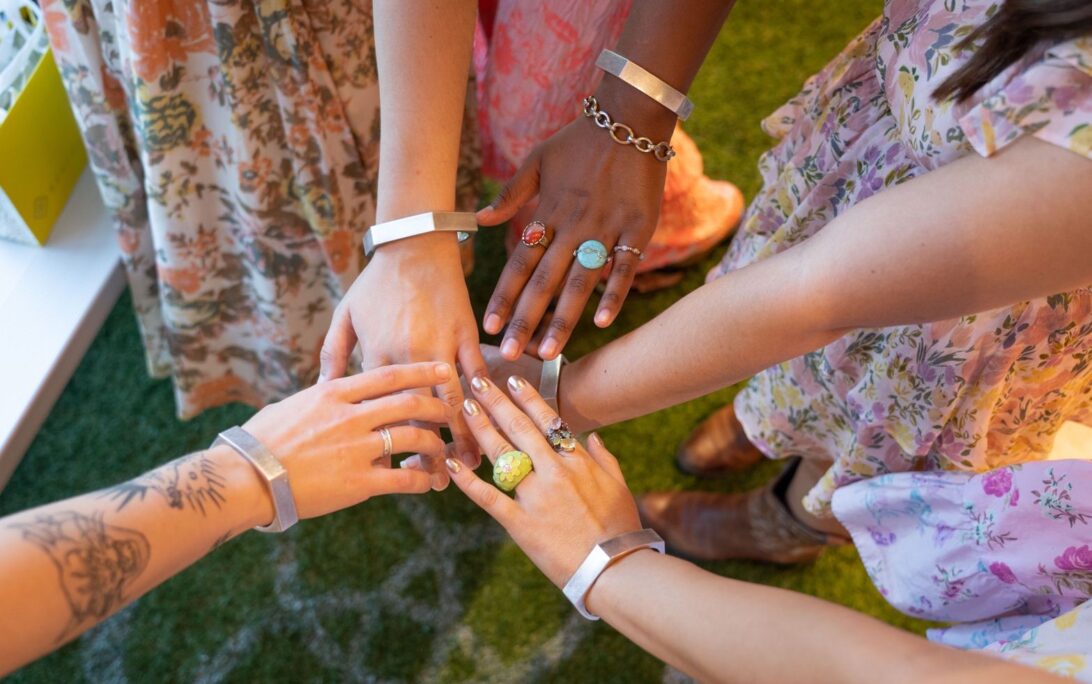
(592, 254)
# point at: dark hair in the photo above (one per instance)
(1018, 26)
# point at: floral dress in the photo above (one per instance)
(235, 144)
(1006, 555)
(968, 394)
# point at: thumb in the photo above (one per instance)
(519, 190)
(337, 347)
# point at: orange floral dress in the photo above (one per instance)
(235, 144)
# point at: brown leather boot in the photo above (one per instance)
(718, 446)
(754, 525)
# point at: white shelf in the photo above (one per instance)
(53, 301)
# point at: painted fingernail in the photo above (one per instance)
(510, 348)
(443, 371)
(471, 407)
(493, 324)
(411, 462)
(453, 465)
(516, 383)
(602, 317)
(479, 383)
(548, 350)
(595, 439)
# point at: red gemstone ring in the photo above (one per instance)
(534, 235)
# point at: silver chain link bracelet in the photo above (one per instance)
(623, 134)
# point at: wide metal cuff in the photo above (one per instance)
(600, 558)
(267, 465)
(460, 222)
(645, 81)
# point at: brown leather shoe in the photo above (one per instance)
(718, 446)
(755, 525)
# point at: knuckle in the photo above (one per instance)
(487, 496)
(519, 264)
(520, 424)
(520, 326)
(386, 375)
(560, 325)
(500, 303)
(623, 267)
(611, 300)
(541, 282)
(578, 284)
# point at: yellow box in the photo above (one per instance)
(41, 156)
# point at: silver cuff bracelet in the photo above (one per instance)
(549, 380)
(459, 222)
(267, 465)
(578, 586)
(645, 81)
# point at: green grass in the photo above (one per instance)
(424, 588)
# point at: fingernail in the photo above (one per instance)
(493, 324)
(516, 383)
(596, 439)
(438, 482)
(471, 407)
(411, 462)
(602, 317)
(453, 465)
(479, 384)
(548, 349)
(510, 348)
(443, 371)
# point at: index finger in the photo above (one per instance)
(388, 379)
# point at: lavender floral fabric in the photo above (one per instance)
(1006, 554)
(969, 394)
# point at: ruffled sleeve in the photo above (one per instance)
(1050, 98)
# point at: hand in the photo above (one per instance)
(570, 501)
(411, 304)
(500, 368)
(327, 436)
(590, 188)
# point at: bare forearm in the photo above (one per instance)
(423, 54)
(69, 565)
(721, 630)
(972, 236)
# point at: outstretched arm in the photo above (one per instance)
(590, 187)
(713, 628)
(971, 236)
(411, 301)
(67, 566)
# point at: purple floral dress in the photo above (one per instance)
(969, 394)
(1007, 555)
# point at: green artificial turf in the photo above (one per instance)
(421, 588)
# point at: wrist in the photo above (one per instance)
(630, 106)
(610, 588)
(568, 384)
(248, 492)
(429, 246)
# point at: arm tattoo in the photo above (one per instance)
(96, 563)
(188, 482)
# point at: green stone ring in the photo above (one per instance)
(510, 469)
(592, 254)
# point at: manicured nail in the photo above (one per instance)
(602, 317)
(453, 465)
(471, 407)
(438, 482)
(413, 462)
(493, 324)
(548, 350)
(479, 383)
(516, 383)
(595, 439)
(443, 371)
(510, 348)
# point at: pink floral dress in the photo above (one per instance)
(1006, 554)
(968, 394)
